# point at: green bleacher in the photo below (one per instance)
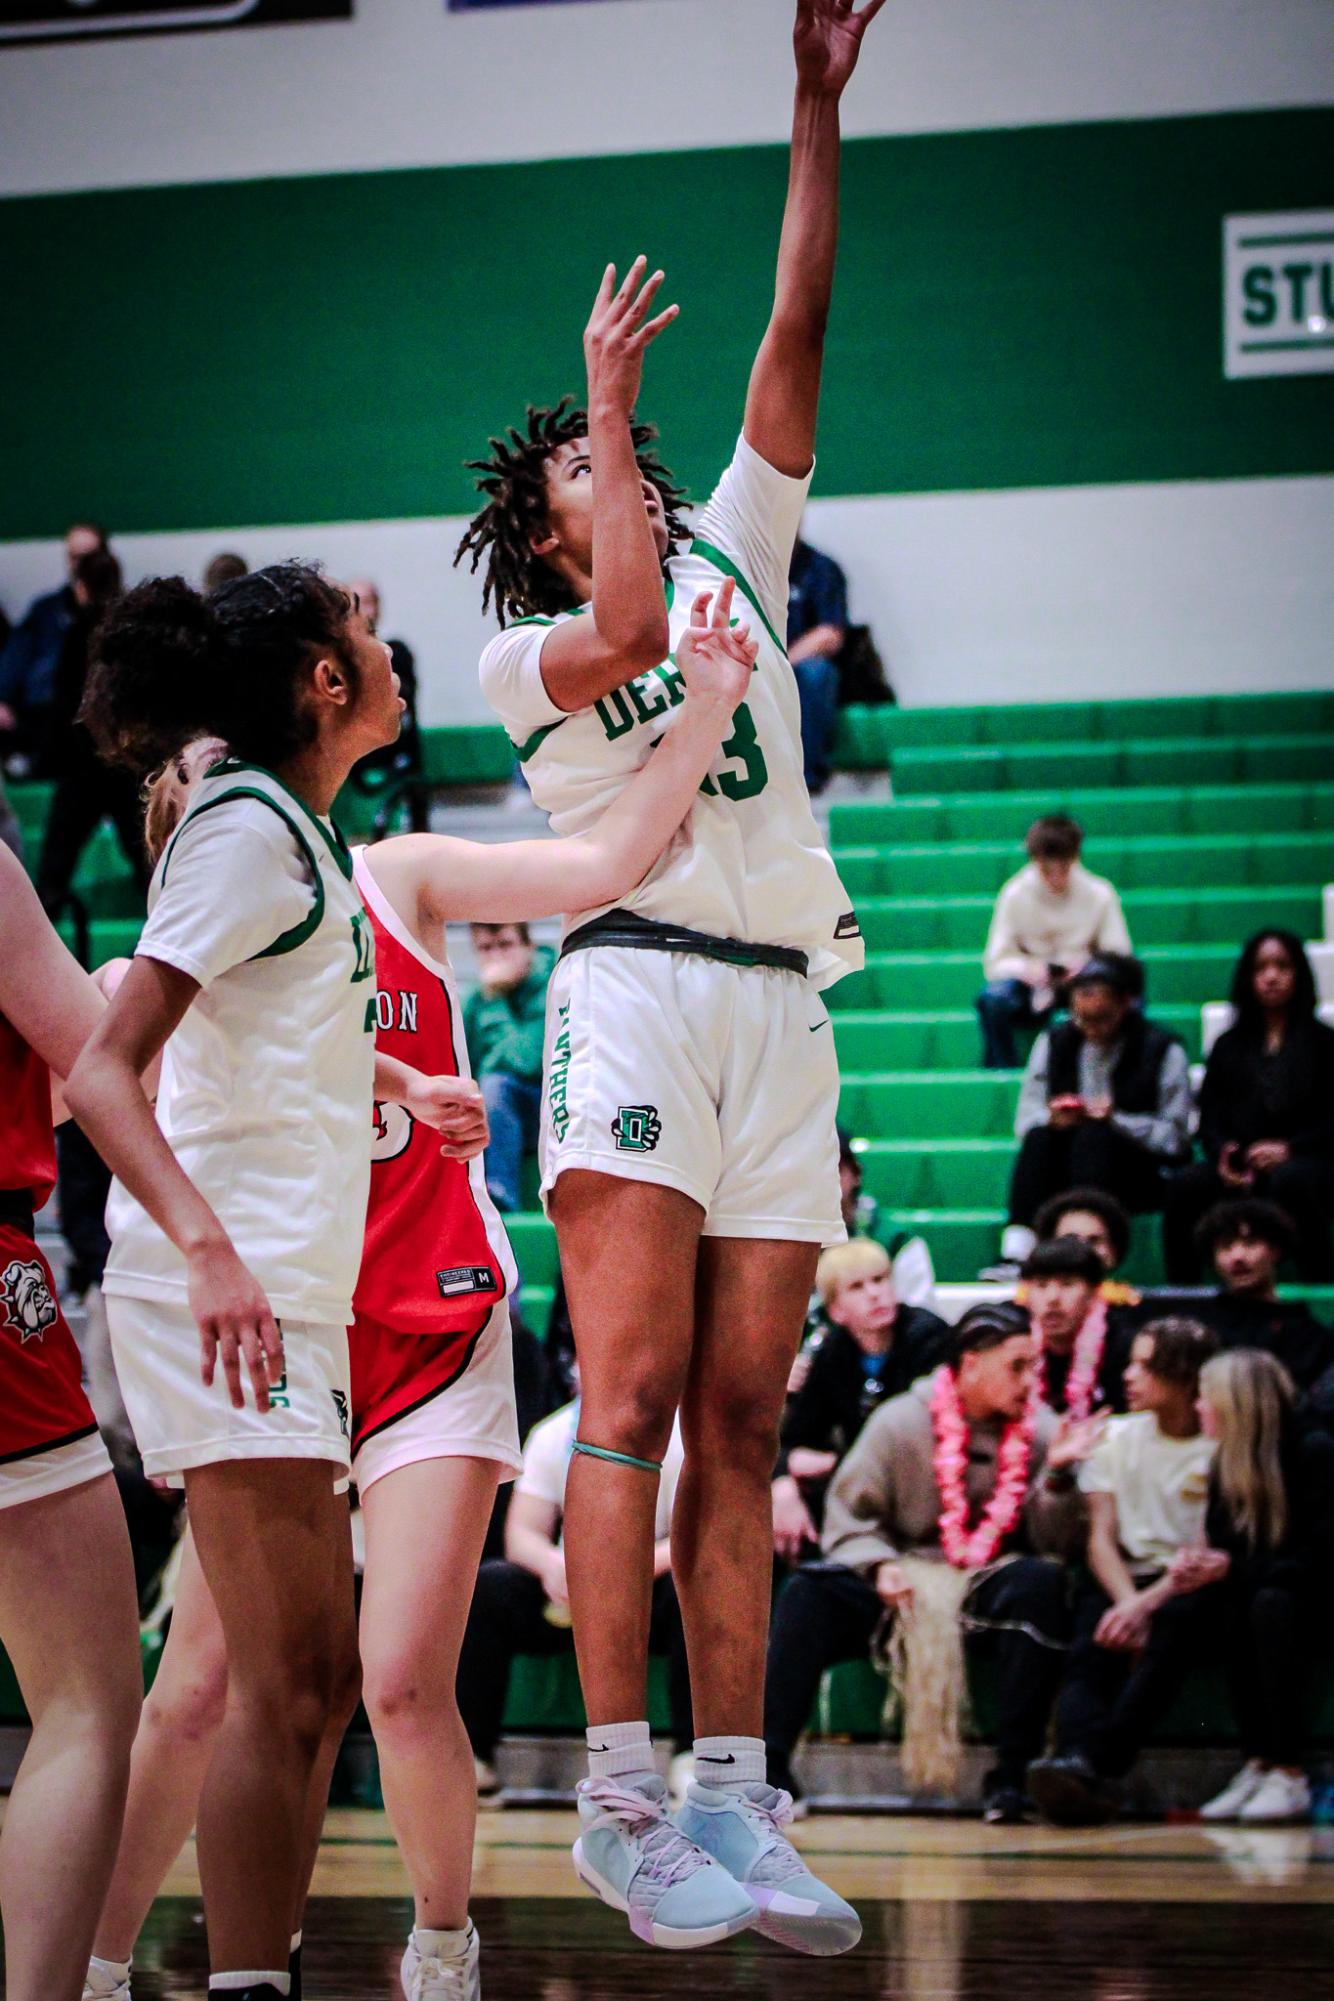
(1212, 815)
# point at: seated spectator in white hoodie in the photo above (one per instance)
(1048, 921)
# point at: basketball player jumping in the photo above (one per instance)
(689, 1157)
(433, 1419)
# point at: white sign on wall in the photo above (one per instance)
(1278, 293)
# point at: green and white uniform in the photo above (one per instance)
(715, 1078)
(265, 1097)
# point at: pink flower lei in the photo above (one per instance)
(1081, 1385)
(970, 1549)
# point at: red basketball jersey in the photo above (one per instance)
(27, 1137)
(436, 1258)
(42, 1403)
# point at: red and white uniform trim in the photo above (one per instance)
(432, 1364)
(48, 1434)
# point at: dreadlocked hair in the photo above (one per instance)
(517, 582)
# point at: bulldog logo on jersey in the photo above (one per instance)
(636, 1128)
(391, 1131)
(26, 1297)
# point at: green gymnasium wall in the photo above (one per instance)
(1039, 307)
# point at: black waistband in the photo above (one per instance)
(16, 1210)
(644, 934)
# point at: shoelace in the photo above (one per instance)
(776, 1860)
(441, 1980)
(667, 1854)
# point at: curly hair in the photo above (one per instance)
(518, 583)
(170, 665)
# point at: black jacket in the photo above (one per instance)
(1248, 1095)
(838, 1396)
(1284, 1328)
(1304, 1561)
(1135, 1086)
(1123, 1323)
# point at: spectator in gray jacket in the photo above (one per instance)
(889, 1510)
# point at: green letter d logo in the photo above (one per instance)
(637, 1128)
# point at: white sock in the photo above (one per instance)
(729, 1762)
(236, 1983)
(1017, 1240)
(442, 1945)
(620, 1751)
(117, 1971)
(296, 1941)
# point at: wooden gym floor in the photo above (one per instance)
(954, 1912)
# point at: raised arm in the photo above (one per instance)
(784, 393)
(510, 882)
(584, 659)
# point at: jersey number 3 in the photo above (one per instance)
(743, 748)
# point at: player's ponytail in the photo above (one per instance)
(167, 791)
(171, 665)
(155, 656)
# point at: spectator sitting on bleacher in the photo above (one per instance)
(1270, 1525)
(32, 652)
(521, 1604)
(945, 1504)
(871, 1348)
(1136, 1638)
(1049, 920)
(1105, 1102)
(1247, 1242)
(1099, 1221)
(87, 790)
(1266, 1111)
(1084, 1344)
(817, 627)
(504, 1019)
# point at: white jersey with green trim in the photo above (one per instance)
(267, 1084)
(749, 861)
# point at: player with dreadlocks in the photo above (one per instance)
(689, 1151)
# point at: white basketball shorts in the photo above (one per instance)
(718, 1080)
(179, 1424)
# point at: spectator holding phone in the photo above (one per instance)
(1049, 920)
(1105, 1102)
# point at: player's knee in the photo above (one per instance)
(404, 1695)
(634, 1418)
(734, 1427)
(190, 1712)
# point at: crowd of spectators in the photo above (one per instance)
(1107, 1101)
(1076, 1497)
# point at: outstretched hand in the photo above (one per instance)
(715, 657)
(618, 334)
(828, 40)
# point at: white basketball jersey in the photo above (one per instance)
(268, 1082)
(750, 861)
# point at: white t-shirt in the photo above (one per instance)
(1160, 1485)
(546, 1465)
(267, 1083)
(750, 861)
